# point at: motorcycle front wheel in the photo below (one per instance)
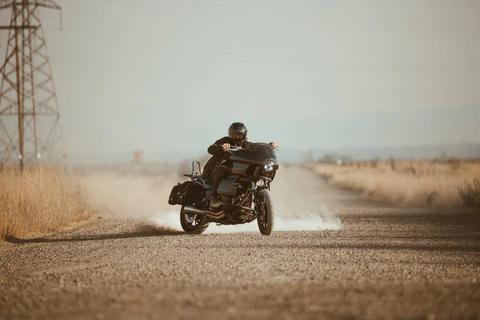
(264, 210)
(192, 223)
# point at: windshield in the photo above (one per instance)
(255, 153)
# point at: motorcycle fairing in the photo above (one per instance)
(256, 154)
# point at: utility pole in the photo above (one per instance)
(30, 127)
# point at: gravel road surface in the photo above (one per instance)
(383, 263)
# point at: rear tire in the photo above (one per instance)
(265, 214)
(192, 224)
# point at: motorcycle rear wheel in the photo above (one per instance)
(264, 209)
(192, 224)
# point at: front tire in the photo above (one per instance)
(264, 210)
(192, 224)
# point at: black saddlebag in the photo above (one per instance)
(178, 193)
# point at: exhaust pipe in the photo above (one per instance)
(190, 209)
(209, 214)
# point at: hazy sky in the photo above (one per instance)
(171, 75)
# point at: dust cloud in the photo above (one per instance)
(295, 193)
(127, 194)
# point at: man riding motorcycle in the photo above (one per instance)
(214, 172)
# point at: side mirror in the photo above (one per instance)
(196, 168)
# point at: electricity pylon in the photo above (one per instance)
(30, 127)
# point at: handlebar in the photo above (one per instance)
(233, 149)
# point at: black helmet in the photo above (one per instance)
(238, 132)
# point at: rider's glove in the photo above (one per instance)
(226, 147)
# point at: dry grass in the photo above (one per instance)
(451, 183)
(39, 200)
(470, 193)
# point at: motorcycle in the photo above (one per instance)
(245, 192)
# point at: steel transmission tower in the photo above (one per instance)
(30, 128)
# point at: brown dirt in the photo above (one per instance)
(384, 263)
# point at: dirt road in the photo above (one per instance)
(383, 263)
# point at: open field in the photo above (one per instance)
(39, 200)
(408, 183)
(384, 263)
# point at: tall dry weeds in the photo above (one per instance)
(409, 183)
(470, 193)
(38, 200)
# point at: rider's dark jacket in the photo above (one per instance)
(218, 155)
(216, 149)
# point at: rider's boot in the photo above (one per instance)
(215, 203)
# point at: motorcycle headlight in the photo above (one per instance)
(269, 166)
